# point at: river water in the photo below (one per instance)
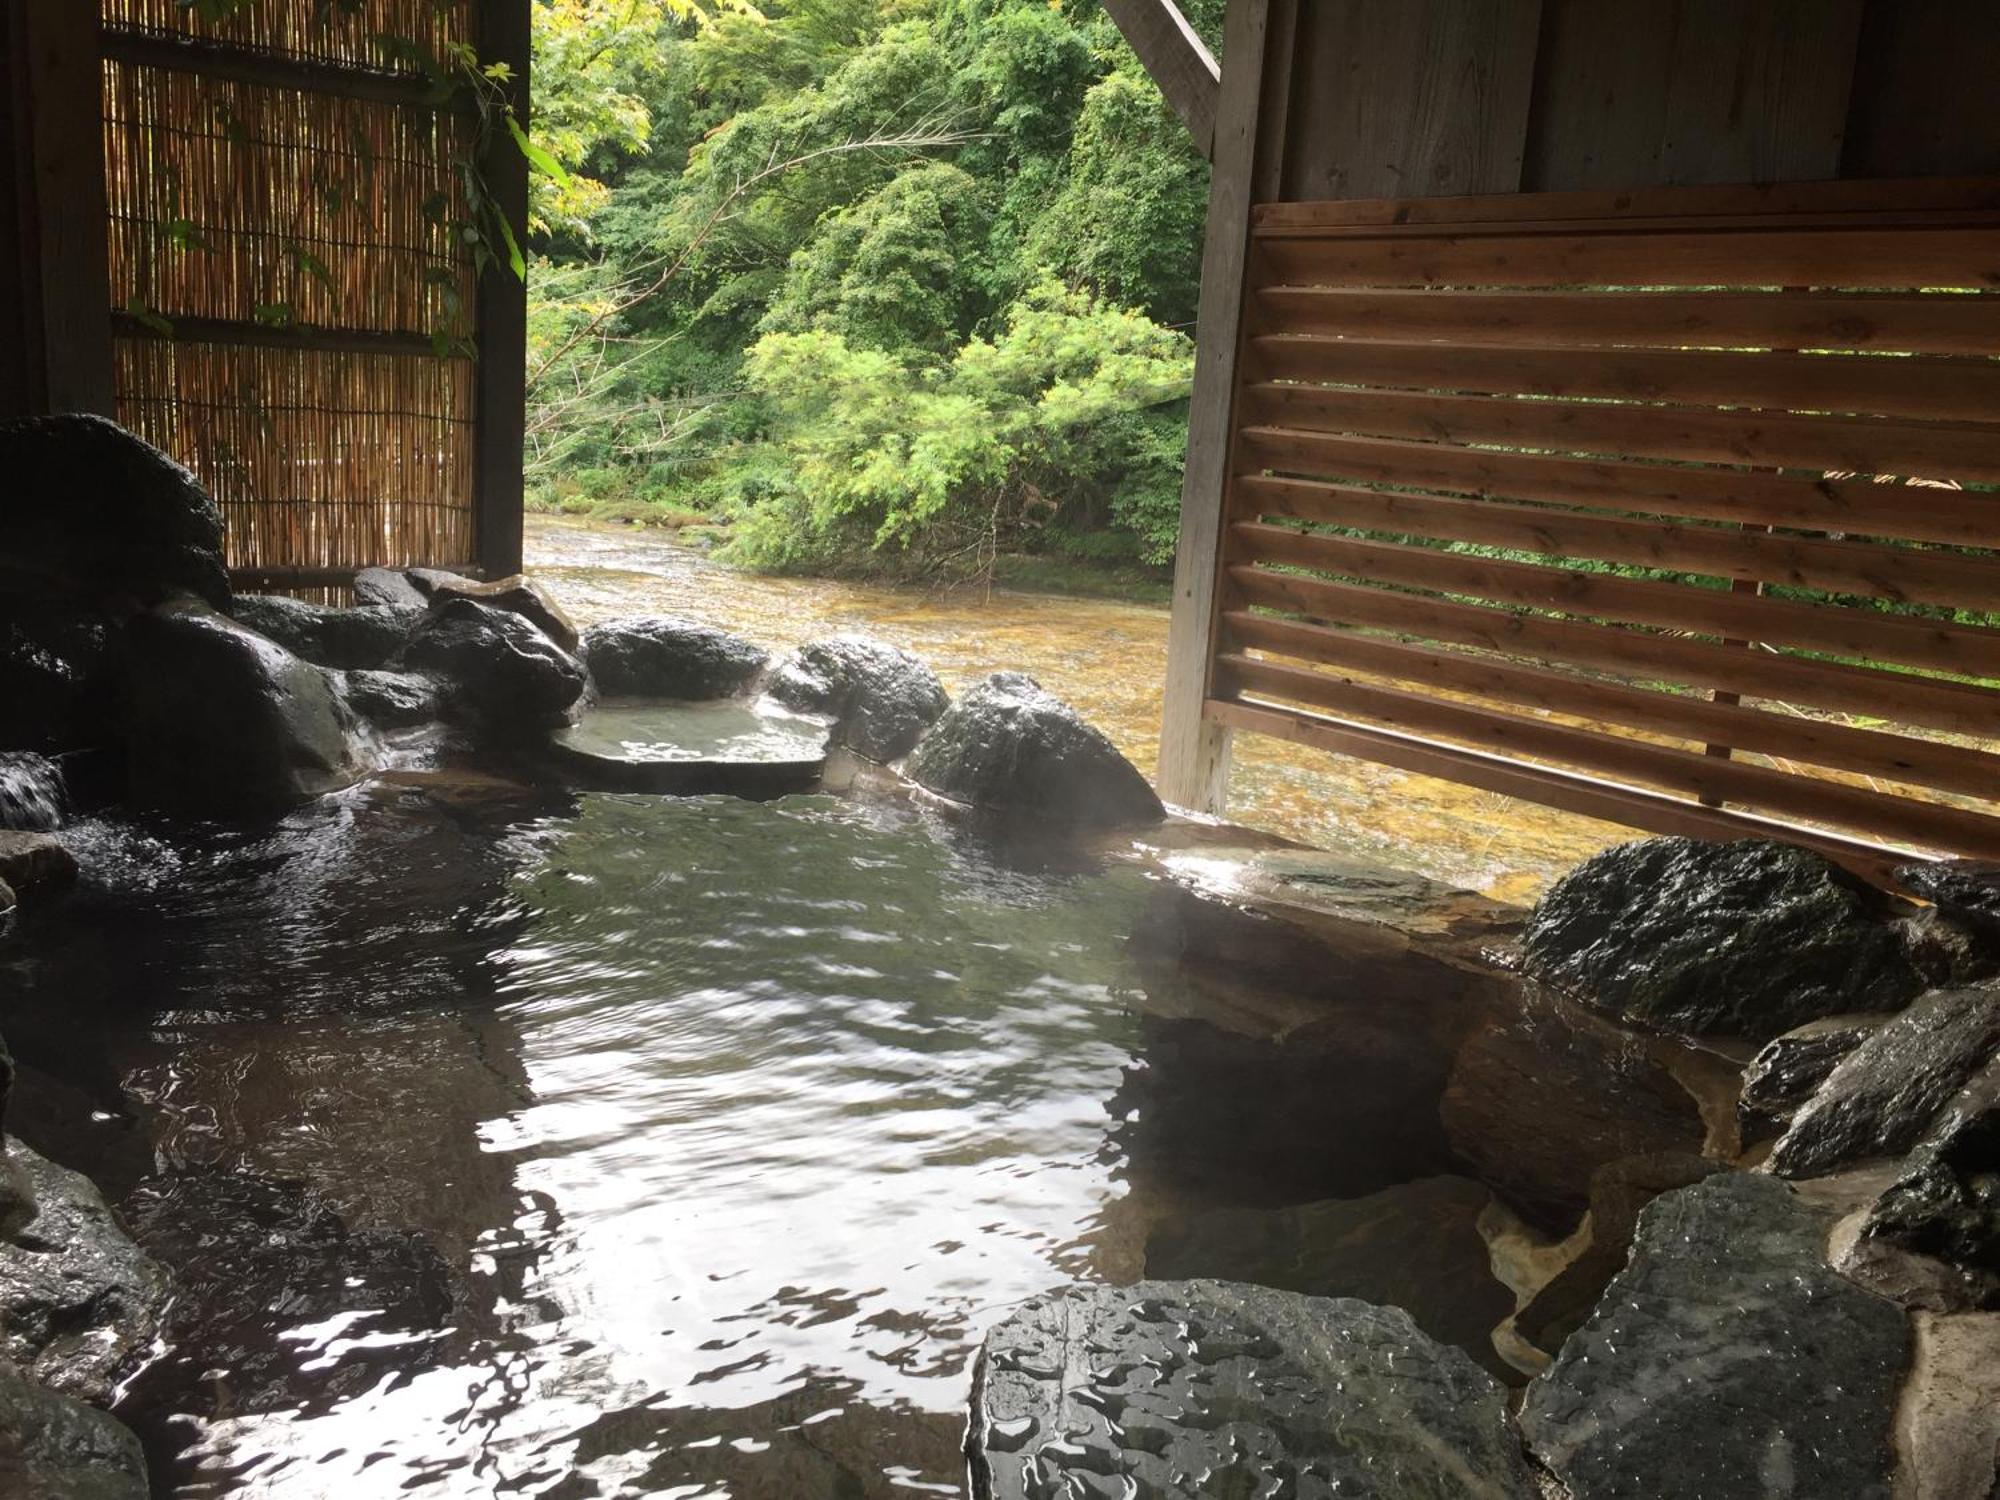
(1107, 658)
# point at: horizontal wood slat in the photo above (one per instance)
(1852, 506)
(1714, 203)
(1919, 323)
(1955, 451)
(1927, 387)
(1934, 577)
(1904, 639)
(1858, 258)
(1950, 706)
(1789, 736)
(1687, 771)
(1734, 389)
(1591, 796)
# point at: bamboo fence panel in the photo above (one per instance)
(290, 305)
(1690, 520)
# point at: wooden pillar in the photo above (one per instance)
(502, 314)
(56, 264)
(1194, 750)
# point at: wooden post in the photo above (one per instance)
(502, 328)
(56, 87)
(1194, 750)
(1179, 62)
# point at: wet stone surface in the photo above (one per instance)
(500, 672)
(1010, 749)
(358, 638)
(1788, 1069)
(1746, 939)
(1226, 1392)
(880, 697)
(227, 723)
(1883, 1096)
(1946, 1203)
(56, 1448)
(1726, 1359)
(79, 1301)
(669, 657)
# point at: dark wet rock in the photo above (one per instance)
(880, 697)
(517, 595)
(1789, 1069)
(34, 864)
(1946, 1204)
(1966, 890)
(1725, 1359)
(58, 675)
(1882, 1097)
(1536, 1105)
(92, 512)
(32, 798)
(499, 671)
(668, 657)
(1009, 748)
(392, 700)
(1619, 1191)
(1946, 951)
(1749, 938)
(18, 1201)
(227, 723)
(1183, 1388)
(56, 1448)
(349, 639)
(389, 587)
(1416, 1246)
(79, 1302)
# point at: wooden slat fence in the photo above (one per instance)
(1676, 508)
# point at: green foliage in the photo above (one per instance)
(888, 284)
(866, 448)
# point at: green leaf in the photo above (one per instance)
(516, 261)
(273, 314)
(539, 159)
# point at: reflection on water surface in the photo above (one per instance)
(685, 1145)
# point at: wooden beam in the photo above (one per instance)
(1178, 60)
(501, 330)
(1194, 750)
(65, 209)
(263, 69)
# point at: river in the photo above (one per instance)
(1109, 660)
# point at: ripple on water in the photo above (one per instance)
(689, 1142)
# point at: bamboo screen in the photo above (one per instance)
(280, 259)
(1670, 517)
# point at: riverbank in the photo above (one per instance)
(1108, 658)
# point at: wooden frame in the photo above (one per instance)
(74, 84)
(1177, 59)
(53, 48)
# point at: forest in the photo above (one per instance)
(899, 287)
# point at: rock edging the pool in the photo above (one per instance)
(239, 708)
(1810, 1309)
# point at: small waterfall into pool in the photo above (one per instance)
(31, 792)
